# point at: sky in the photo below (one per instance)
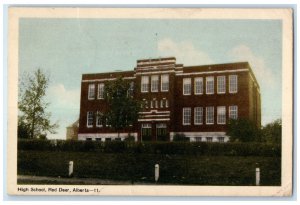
(67, 48)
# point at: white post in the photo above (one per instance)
(257, 176)
(156, 172)
(71, 168)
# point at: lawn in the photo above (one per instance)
(174, 169)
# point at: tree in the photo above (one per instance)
(123, 108)
(32, 106)
(243, 130)
(271, 133)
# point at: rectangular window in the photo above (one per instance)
(221, 139)
(198, 89)
(221, 84)
(233, 112)
(99, 122)
(131, 89)
(165, 83)
(210, 85)
(221, 115)
(186, 116)
(208, 139)
(198, 115)
(145, 84)
(90, 119)
(101, 91)
(209, 115)
(154, 83)
(91, 94)
(186, 86)
(198, 139)
(233, 84)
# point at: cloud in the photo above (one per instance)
(184, 51)
(264, 74)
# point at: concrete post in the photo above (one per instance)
(71, 168)
(156, 171)
(257, 176)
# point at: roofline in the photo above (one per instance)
(108, 72)
(220, 64)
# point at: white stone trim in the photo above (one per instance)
(106, 79)
(155, 61)
(102, 136)
(193, 135)
(212, 72)
(166, 115)
(154, 111)
(154, 72)
(158, 119)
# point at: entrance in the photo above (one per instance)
(161, 132)
(146, 132)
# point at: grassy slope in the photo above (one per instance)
(174, 169)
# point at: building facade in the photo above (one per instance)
(196, 101)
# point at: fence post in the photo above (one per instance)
(71, 168)
(257, 176)
(156, 172)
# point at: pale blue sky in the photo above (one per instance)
(67, 48)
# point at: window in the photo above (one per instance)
(167, 103)
(146, 132)
(186, 86)
(89, 139)
(198, 89)
(90, 119)
(131, 89)
(151, 104)
(198, 139)
(221, 115)
(165, 83)
(156, 104)
(209, 115)
(233, 112)
(209, 85)
(233, 83)
(161, 103)
(198, 115)
(186, 116)
(154, 83)
(209, 139)
(107, 139)
(101, 91)
(221, 139)
(99, 120)
(98, 139)
(91, 94)
(145, 84)
(221, 84)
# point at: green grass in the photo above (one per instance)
(174, 169)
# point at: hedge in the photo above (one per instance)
(177, 148)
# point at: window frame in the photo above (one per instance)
(198, 79)
(162, 82)
(196, 115)
(146, 78)
(91, 86)
(220, 109)
(223, 85)
(189, 117)
(99, 116)
(88, 119)
(207, 80)
(154, 81)
(100, 91)
(207, 115)
(230, 84)
(184, 80)
(230, 110)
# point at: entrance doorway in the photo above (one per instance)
(146, 132)
(161, 132)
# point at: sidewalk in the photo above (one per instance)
(27, 179)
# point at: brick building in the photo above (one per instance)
(196, 101)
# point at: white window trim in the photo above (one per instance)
(152, 77)
(161, 104)
(144, 91)
(190, 82)
(87, 120)
(98, 116)
(167, 103)
(201, 123)
(237, 112)
(236, 84)
(161, 84)
(206, 87)
(195, 80)
(89, 97)
(220, 123)
(206, 115)
(99, 86)
(224, 77)
(186, 108)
